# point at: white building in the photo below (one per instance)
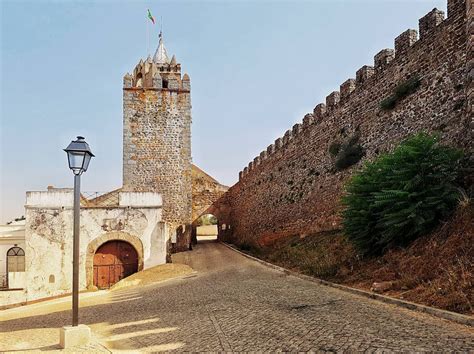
(120, 233)
(12, 260)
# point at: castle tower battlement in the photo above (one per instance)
(157, 137)
(158, 72)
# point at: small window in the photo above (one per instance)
(165, 83)
(139, 82)
(15, 260)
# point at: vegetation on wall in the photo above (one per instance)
(401, 91)
(347, 153)
(401, 195)
(207, 219)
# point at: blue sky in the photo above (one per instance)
(256, 68)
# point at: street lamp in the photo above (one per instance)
(79, 155)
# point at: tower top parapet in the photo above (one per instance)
(159, 72)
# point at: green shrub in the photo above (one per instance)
(408, 87)
(402, 195)
(401, 91)
(388, 103)
(334, 148)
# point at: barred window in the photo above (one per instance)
(15, 260)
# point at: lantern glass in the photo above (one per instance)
(76, 160)
(87, 159)
(79, 155)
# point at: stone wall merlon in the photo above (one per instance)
(431, 20)
(287, 137)
(140, 199)
(319, 111)
(278, 143)
(186, 82)
(404, 41)
(127, 80)
(296, 129)
(332, 99)
(263, 155)
(50, 199)
(347, 87)
(364, 73)
(256, 161)
(382, 58)
(457, 8)
(270, 149)
(308, 120)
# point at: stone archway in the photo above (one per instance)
(110, 236)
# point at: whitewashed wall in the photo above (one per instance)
(48, 237)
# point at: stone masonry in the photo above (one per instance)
(157, 138)
(293, 188)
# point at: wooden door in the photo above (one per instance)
(113, 261)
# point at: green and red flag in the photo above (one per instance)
(150, 16)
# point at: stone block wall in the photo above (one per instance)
(206, 190)
(293, 188)
(157, 140)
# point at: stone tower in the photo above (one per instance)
(157, 138)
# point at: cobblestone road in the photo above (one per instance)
(236, 304)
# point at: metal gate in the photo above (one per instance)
(113, 261)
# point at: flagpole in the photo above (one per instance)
(147, 38)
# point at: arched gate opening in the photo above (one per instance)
(113, 261)
(207, 228)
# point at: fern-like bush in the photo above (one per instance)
(402, 195)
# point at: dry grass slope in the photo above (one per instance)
(435, 270)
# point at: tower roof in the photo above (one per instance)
(161, 56)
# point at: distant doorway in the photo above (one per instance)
(207, 228)
(113, 261)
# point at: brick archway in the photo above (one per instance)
(110, 236)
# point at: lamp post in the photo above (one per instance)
(79, 155)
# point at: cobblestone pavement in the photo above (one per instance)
(236, 304)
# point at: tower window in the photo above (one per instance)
(165, 83)
(139, 82)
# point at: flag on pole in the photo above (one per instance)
(151, 17)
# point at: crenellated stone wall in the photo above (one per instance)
(292, 187)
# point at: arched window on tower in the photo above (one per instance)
(165, 83)
(139, 80)
(15, 260)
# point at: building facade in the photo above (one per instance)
(121, 233)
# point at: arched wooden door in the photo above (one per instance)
(113, 261)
